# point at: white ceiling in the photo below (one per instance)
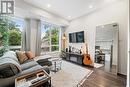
(72, 8)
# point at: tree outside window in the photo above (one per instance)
(14, 35)
(3, 34)
(10, 34)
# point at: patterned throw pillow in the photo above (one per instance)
(21, 56)
(30, 55)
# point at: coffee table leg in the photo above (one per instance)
(60, 65)
(55, 67)
(50, 83)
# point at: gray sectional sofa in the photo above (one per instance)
(10, 68)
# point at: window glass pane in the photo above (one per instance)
(54, 35)
(45, 38)
(3, 35)
(15, 34)
(55, 48)
(45, 35)
(49, 37)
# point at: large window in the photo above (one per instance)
(15, 34)
(10, 34)
(50, 35)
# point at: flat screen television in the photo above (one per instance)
(72, 37)
(80, 37)
(77, 37)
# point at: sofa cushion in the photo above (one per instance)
(29, 60)
(31, 69)
(30, 55)
(21, 56)
(28, 65)
(35, 68)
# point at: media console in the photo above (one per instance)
(73, 57)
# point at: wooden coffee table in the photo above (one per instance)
(33, 79)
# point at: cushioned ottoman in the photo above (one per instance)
(43, 60)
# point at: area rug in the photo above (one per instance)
(70, 75)
(97, 65)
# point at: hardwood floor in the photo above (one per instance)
(100, 78)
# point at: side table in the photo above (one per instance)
(56, 64)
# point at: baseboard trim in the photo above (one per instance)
(122, 75)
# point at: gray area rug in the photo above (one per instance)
(70, 75)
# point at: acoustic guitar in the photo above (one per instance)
(87, 59)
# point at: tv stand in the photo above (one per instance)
(74, 57)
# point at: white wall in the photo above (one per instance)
(115, 13)
(128, 58)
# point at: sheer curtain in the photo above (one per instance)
(26, 36)
(31, 40)
(38, 39)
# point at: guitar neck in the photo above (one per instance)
(86, 49)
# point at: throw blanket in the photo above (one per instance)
(4, 60)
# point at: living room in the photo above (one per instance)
(55, 38)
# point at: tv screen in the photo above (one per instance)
(80, 37)
(72, 38)
(77, 37)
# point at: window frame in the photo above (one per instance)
(51, 45)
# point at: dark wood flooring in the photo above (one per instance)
(100, 78)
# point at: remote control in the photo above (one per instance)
(38, 79)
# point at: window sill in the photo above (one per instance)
(47, 53)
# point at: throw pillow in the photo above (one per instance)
(21, 57)
(30, 55)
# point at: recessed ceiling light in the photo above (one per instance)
(90, 6)
(69, 16)
(48, 5)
